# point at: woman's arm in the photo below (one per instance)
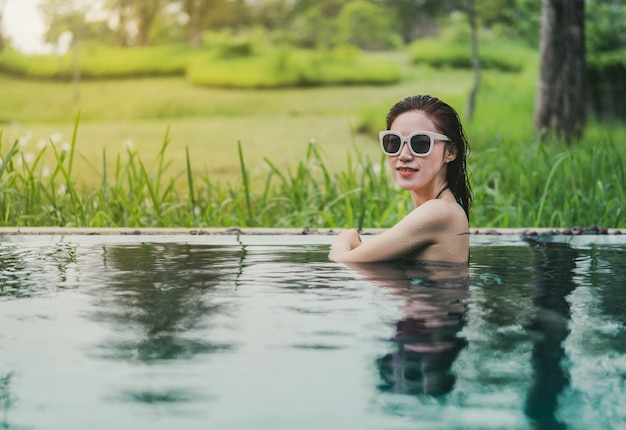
(419, 229)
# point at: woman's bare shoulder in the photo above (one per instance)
(438, 211)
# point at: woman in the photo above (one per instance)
(426, 150)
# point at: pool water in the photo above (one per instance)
(263, 332)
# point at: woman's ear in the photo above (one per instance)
(451, 152)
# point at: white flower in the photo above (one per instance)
(29, 157)
(65, 146)
(128, 144)
(56, 137)
(42, 143)
(45, 172)
(23, 141)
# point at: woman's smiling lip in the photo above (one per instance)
(406, 171)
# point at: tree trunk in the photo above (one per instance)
(2, 41)
(471, 101)
(123, 11)
(560, 100)
(147, 11)
(198, 11)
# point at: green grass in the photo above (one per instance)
(131, 195)
(543, 185)
(296, 157)
(209, 121)
(550, 184)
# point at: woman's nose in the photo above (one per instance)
(405, 152)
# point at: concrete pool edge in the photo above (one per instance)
(185, 231)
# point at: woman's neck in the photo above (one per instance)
(431, 193)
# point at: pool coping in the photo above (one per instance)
(185, 231)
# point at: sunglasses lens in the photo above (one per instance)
(420, 144)
(391, 143)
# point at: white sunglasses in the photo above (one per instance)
(420, 142)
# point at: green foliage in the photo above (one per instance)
(562, 186)
(606, 85)
(419, 18)
(99, 62)
(366, 25)
(512, 19)
(605, 26)
(227, 44)
(238, 62)
(134, 196)
(499, 55)
(103, 62)
(520, 181)
(289, 67)
(549, 185)
(517, 181)
(40, 66)
(312, 29)
(70, 16)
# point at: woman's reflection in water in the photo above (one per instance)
(427, 338)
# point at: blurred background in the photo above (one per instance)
(197, 79)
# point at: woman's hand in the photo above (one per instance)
(345, 242)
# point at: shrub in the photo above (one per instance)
(288, 67)
(99, 62)
(439, 53)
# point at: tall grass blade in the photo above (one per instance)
(246, 182)
(547, 186)
(8, 157)
(70, 185)
(73, 145)
(192, 193)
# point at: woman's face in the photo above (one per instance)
(414, 173)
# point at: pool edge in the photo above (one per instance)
(185, 231)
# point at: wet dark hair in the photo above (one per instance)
(448, 122)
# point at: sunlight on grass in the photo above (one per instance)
(160, 152)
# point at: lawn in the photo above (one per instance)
(311, 155)
(277, 124)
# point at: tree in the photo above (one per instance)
(63, 16)
(560, 107)
(416, 18)
(132, 20)
(198, 13)
(365, 25)
(145, 11)
(2, 41)
(119, 16)
(471, 101)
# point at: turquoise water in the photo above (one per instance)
(263, 332)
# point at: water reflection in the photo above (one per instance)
(609, 272)
(553, 282)
(29, 272)
(162, 297)
(7, 398)
(427, 340)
